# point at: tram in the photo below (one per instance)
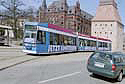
(44, 38)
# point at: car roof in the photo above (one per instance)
(112, 53)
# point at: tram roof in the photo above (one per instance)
(94, 37)
(53, 26)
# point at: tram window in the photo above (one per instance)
(100, 44)
(65, 40)
(57, 39)
(88, 43)
(51, 39)
(85, 42)
(41, 37)
(71, 41)
(81, 42)
(33, 35)
(27, 35)
(105, 45)
(74, 41)
(93, 43)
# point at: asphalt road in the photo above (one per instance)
(54, 69)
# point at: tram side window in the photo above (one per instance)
(81, 42)
(51, 39)
(27, 35)
(93, 43)
(105, 45)
(58, 39)
(100, 44)
(41, 37)
(74, 41)
(88, 43)
(65, 40)
(33, 35)
(85, 42)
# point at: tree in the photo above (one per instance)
(13, 12)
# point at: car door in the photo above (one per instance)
(118, 62)
(123, 63)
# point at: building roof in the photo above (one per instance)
(94, 37)
(86, 15)
(107, 11)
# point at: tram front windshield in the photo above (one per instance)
(30, 36)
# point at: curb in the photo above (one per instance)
(9, 66)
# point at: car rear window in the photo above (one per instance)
(101, 55)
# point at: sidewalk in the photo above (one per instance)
(11, 47)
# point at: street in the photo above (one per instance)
(54, 69)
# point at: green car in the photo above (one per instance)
(107, 64)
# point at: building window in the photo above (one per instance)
(95, 32)
(105, 24)
(61, 22)
(105, 32)
(100, 24)
(111, 25)
(110, 32)
(95, 24)
(70, 11)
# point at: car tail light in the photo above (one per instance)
(113, 67)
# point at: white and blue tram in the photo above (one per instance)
(44, 38)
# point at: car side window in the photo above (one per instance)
(123, 59)
(118, 59)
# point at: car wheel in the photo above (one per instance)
(120, 77)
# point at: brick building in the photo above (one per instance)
(71, 17)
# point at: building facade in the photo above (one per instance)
(71, 17)
(107, 24)
(124, 41)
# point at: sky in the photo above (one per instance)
(89, 6)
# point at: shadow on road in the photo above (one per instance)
(51, 54)
(104, 78)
